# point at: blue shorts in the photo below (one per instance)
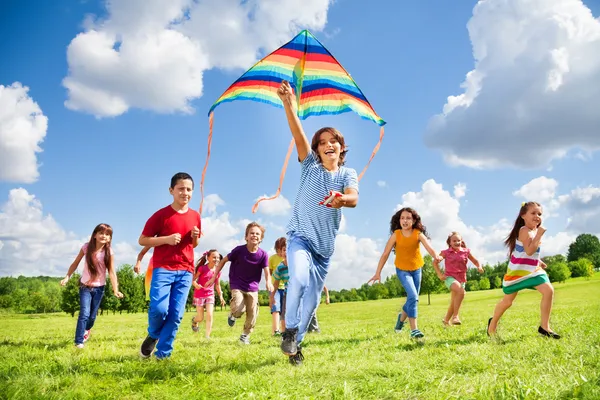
(277, 305)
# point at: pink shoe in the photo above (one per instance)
(86, 335)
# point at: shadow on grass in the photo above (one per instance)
(37, 344)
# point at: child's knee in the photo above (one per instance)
(159, 310)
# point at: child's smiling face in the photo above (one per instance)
(406, 220)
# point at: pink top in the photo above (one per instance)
(456, 263)
(101, 275)
(204, 275)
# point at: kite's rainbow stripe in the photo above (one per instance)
(323, 85)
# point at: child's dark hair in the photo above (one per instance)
(181, 176)
(203, 260)
(280, 243)
(257, 225)
(417, 224)
(337, 135)
(462, 242)
(91, 250)
(511, 239)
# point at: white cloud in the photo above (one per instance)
(211, 202)
(22, 129)
(381, 184)
(276, 207)
(532, 94)
(583, 205)
(543, 191)
(151, 54)
(460, 190)
(32, 243)
(353, 263)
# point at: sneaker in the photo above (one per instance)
(277, 333)
(296, 359)
(244, 339)
(289, 346)
(195, 327)
(79, 346)
(399, 324)
(230, 320)
(86, 335)
(148, 347)
(416, 334)
(549, 334)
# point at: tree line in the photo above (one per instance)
(44, 294)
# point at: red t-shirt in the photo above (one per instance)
(165, 222)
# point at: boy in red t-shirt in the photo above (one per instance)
(173, 231)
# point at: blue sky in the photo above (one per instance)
(125, 88)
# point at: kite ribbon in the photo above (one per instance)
(210, 133)
(281, 176)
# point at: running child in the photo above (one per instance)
(276, 297)
(174, 232)
(525, 268)
(247, 263)
(314, 225)
(408, 233)
(98, 261)
(456, 257)
(204, 295)
(280, 280)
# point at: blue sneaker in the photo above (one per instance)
(399, 324)
(416, 334)
(230, 320)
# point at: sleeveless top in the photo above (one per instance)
(522, 266)
(408, 251)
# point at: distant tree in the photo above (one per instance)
(558, 271)
(377, 291)
(500, 268)
(70, 296)
(484, 284)
(133, 294)
(8, 285)
(497, 282)
(585, 246)
(394, 287)
(581, 267)
(558, 258)
(473, 274)
(472, 286)
(430, 283)
(109, 302)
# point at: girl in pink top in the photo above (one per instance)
(456, 257)
(204, 296)
(98, 260)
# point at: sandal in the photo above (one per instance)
(195, 327)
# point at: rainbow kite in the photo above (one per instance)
(322, 86)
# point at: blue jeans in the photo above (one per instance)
(89, 302)
(279, 293)
(411, 281)
(168, 295)
(307, 271)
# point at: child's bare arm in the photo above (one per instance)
(423, 239)
(531, 244)
(154, 241)
(72, 268)
(383, 259)
(475, 262)
(140, 256)
(348, 199)
(286, 94)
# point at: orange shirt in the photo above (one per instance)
(408, 251)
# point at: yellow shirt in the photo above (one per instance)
(274, 262)
(408, 251)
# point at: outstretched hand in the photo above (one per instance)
(374, 279)
(286, 93)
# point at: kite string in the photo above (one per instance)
(375, 150)
(281, 176)
(210, 132)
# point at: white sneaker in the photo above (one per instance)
(79, 346)
(86, 335)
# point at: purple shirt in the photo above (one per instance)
(246, 268)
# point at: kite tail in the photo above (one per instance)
(375, 150)
(281, 176)
(210, 131)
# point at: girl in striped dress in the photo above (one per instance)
(525, 269)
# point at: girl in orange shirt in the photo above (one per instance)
(407, 234)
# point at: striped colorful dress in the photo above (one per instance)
(524, 271)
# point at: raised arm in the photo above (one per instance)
(286, 94)
(72, 268)
(383, 259)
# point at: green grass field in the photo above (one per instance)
(356, 356)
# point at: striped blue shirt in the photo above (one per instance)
(316, 223)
